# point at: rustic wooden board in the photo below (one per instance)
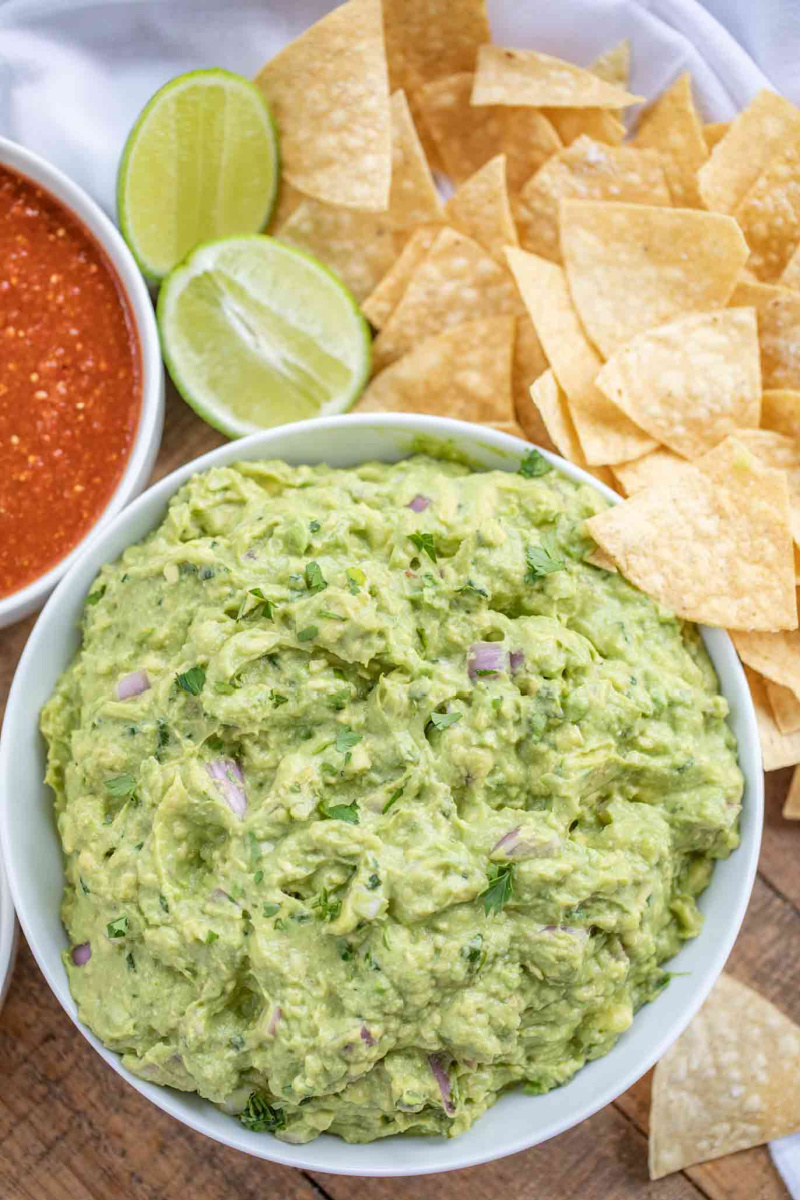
(70, 1129)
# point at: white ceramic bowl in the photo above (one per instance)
(8, 936)
(151, 419)
(33, 856)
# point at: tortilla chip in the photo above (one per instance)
(528, 364)
(468, 137)
(762, 130)
(615, 65)
(413, 198)
(730, 1081)
(606, 434)
(775, 656)
(769, 215)
(381, 303)
(456, 282)
(657, 467)
(600, 124)
(357, 246)
(631, 266)
(480, 209)
(791, 272)
(791, 807)
(778, 310)
(554, 410)
(785, 707)
(780, 410)
(590, 171)
(463, 373)
(289, 199)
(714, 545)
(783, 454)
(529, 77)
(329, 94)
(714, 131)
(599, 558)
(426, 39)
(777, 749)
(692, 382)
(672, 126)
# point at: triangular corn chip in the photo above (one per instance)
(329, 94)
(783, 454)
(381, 303)
(528, 77)
(600, 124)
(785, 706)
(714, 131)
(606, 434)
(762, 130)
(730, 1081)
(615, 65)
(358, 246)
(672, 127)
(659, 466)
(463, 372)
(631, 266)
(691, 382)
(777, 749)
(780, 410)
(426, 39)
(776, 656)
(769, 214)
(529, 363)
(778, 310)
(551, 403)
(413, 198)
(480, 209)
(791, 807)
(714, 546)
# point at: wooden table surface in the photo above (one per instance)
(70, 1129)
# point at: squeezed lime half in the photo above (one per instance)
(201, 162)
(256, 334)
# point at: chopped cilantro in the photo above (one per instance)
(84, 886)
(314, 526)
(255, 847)
(373, 882)
(211, 937)
(345, 951)
(162, 900)
(482, 671)
(130, 962)
(331, 616)
(306, 635)
(192, 681)
(95, 597)
(425, 544)
(270, 909)
(328, 910)
(315, 580)
(499, 889)
(237, 1041)
(118, 928)
(224, 689)
(473, 588)
(395, 796)
(338, 700)
(163, 735)
(259, 875)
(444, 720)
(534, 464)
(346, 739)
(120, 785)
(277, 699)
(339, 812)
(543, 559)
(260, 1116)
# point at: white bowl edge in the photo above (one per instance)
(151, 417)
(33, 856)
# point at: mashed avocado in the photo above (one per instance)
(376, 798)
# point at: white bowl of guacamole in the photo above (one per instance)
(391, 835)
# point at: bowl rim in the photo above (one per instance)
(144, 448)
(510, 449)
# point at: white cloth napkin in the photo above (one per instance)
(75, 73)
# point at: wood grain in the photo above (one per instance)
(70, 1129)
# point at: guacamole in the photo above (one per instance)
(376, 797)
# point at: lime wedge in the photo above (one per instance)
(201, 162)
(256, 333)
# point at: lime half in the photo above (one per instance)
(256, 333)
(201, 162)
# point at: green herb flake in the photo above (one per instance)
(314, 525)
(373, 882)
(395, 796)
(543, 560)
(339, 812)
(499, 889)
(259, 875)
(277, 699)
(315, 580)
(84, 886)
(192, 681)
(345, 951)
(120, 785)
(118, 928)
(425, 544)
(327, 909)
(331, 616)
(444, 720)
(340, 699)
(95, 597)
(130, 961)
(224, 689)
(534, 464)
(471, 588)
(307, 634)
(346, 739)
(237, 1042)
(162, 900)
(271, 909)
(355, 579)
(211, 937)
(260, 1116)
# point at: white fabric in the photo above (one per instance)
(75, 73)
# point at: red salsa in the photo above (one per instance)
(70, 381)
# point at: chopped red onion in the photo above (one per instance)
(443, 1080)
(485, 656)
(227, 775)
(132, 685)
(220, 894)
(419, 503)
(516, 661)
(573, 930)
(520, 847)
(507, 841)
(275, 1020)
(366, 1036)
(81, 954)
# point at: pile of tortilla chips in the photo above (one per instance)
(632, 303)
